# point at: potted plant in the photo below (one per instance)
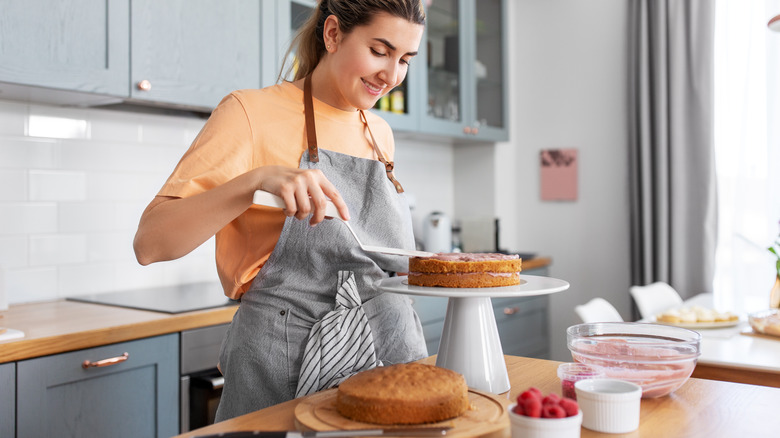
(774, 296)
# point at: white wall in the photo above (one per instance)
(568, 86)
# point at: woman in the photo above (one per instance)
(309, 314)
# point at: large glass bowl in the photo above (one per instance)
(659, 358)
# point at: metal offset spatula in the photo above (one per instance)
(270, 200)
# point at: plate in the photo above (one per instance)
(699, 325)
(487, 416)
(530, 285)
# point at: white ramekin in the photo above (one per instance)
(530, 427)
(609, 405)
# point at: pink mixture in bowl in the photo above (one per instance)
(659, 358)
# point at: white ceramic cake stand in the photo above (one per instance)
(469, 340)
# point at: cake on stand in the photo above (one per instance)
(470, 343)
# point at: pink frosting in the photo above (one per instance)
(471, 257)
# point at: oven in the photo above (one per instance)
(201, 382)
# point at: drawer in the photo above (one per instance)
(200, 348)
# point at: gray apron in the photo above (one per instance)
(318, 275)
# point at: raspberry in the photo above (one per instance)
(553, 411)
(570, 406)
(528, 394)
(551, 399)
(532, 407)
(536, 391)
(568, 389)
(518, 409)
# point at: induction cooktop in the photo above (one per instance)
(168, 299)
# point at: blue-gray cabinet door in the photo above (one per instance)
(138, 397)
(194, 52)
(7, 399)
(79, 45)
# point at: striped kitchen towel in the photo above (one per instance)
(340, 344)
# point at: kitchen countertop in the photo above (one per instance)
(700, 408)
(58, 326)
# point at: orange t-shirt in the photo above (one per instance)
(254, 128)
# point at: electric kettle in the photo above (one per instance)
(437, 232)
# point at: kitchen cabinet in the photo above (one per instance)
(8, 399)
(455, 86)
(522, 322)
(179, 53)
(137, 397)
(465, 50)
(194, 52)
(77, 45)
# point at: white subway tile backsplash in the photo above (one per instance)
(13, 185)
(129, 213)
(13, 116)
(114, 126)
(131, 275)
(69, 208)
(122, 186)
(13, 251)
(27, 218)
(57, 127)
(86, 217)
(31, 284)
(110, 246)
(84, 279)
(26, 153)
(57, 249)
(164, 131)
(56, 185)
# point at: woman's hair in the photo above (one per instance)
(308, 44)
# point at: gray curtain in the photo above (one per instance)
(672, 168)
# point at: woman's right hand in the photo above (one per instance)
(171, 227)
(304, 191)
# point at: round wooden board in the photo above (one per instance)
(486, 418)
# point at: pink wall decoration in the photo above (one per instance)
(558, 174)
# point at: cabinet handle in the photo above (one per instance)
(511, 310)
(105, 362)
(145, 85)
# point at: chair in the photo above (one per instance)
(598, 310)
(655, 298)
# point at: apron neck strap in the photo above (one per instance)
(388, 164)
(311, 135)
(308, 110)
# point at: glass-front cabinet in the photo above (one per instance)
(465, 54)
(456, 84)
(400, 108)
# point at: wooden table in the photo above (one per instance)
(700, 408)
(736, 354)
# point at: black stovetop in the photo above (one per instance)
(168, 299)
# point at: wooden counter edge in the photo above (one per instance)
(20, 349)
(534, 263)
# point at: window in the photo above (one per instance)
(747, 152)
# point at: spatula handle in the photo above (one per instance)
(267, 199)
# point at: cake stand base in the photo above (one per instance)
(471, 346)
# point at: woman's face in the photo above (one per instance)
(367, 63)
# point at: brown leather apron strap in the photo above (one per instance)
(308, 110)
(388, 164)
(311, 135)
